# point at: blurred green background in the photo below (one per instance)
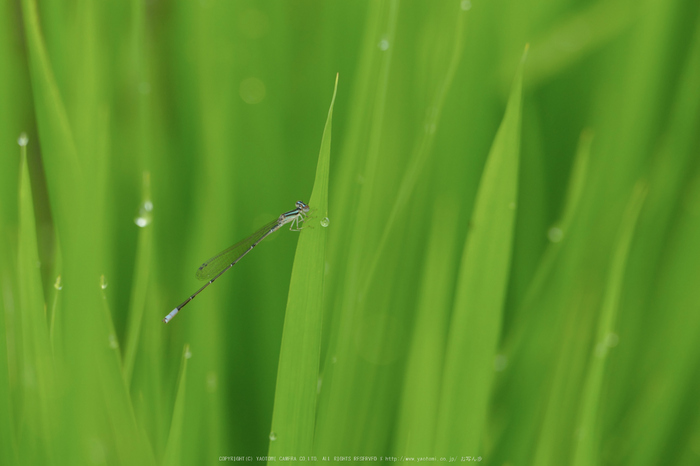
(522, 295)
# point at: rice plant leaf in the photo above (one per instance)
(37, 364)
(173, 450)
(294, 412)
(8, 440)
(421, 154)
(558, 234)
(130, 446)
(481, 291)
(588, 444)
(421, 394)
(141, 275)
(548, 57)
(54, 126)
(664, 269)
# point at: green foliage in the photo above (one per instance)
(293, 419)
(481, 291)
(508, 272)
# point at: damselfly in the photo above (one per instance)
(220, 263)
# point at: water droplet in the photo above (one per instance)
(334, 359)
(188, 354)
(23, 140)
(273, 436)
(38, 264)
(252, 91)
(325, 221)
(383, 45)
(103, 282)
(212, 380)
(512, 205)
(318, 384)
(113, 343)
(466, 5)
(145, 215)
(58, 285)
(500, 362)
(555, 234)
(145, 88)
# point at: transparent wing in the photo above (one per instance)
(212, 267)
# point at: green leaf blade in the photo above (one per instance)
(38, 418)
(481, 291)
(420, 400)
(174, 448)
(587, 448)
(293, 419)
